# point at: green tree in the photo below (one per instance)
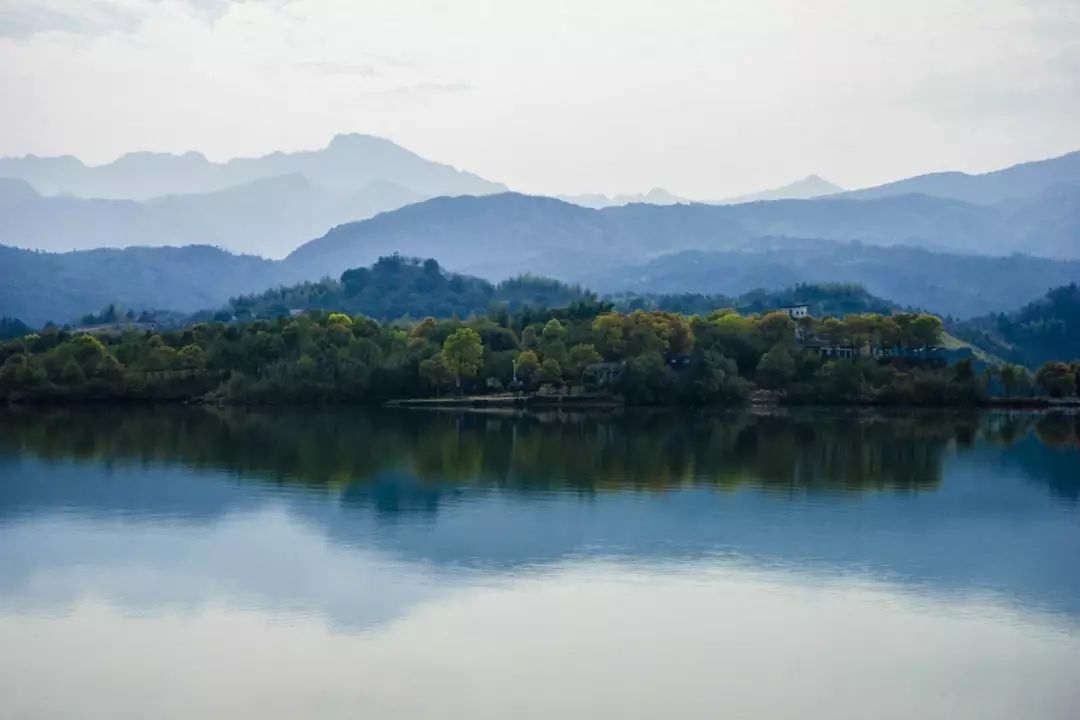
(581, 356)
(776, 328)
(713, 378)
(646, 380)
(776, 368)
(550, 372)
(71, 374)
(463, 354)
(436, 373)
(1057, 379)
(553, 331)
(927, 331)
(337, 318)
(192, 358)
(1010, 378)
(610, 340)
(839, 380)
(528, 365)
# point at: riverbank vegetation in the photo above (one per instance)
(644, 357)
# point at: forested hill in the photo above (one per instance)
(395, 287)
(962, 286)
(821, 300)
(1047, 329)
(39, 287)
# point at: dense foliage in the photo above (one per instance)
(1040, 332)
(647, 357)
(396, 287)
(821, 299)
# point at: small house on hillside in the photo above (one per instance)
(796, 312)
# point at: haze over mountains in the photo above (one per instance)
(267, 205)
(809, 187)
(500, 235)
(1017, 182)
(926, 241)
(268, 217)
(349, 163)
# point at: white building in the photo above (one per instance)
(796, 311)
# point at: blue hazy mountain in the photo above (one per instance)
(268, 217)
(810, 186)
(500, 235)
(348, 163)
(267, 206)
(271, 205)
(946, 283)
(656, 196)
(943, 255)
(37, 287)
(1019, 181)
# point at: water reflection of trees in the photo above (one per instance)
(796, 452)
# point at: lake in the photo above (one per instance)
(286, 563)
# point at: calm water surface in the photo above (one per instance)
(198, 563)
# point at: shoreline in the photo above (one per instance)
(519, 402)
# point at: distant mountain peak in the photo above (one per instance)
(808, 187)
(655, 196)
(359, 140)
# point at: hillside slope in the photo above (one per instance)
(1018, 181)
(499, 235)
(40, 287)
(948, 284)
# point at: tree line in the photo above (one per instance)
(646, 357)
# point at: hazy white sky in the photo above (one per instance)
(706, 98)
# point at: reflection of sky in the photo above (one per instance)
(583, 638)
(161, 590)
(146, 537)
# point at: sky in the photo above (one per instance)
(705, 98)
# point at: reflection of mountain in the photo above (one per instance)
(919, 499)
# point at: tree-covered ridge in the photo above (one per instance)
(821, 300)
(644, 357)
(396, 287)
(1042, 331)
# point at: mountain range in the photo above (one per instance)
(349, 163)
(268, 217)
(927, 241)
(500, 235)
(38, 287)
(1016, 182)
(809, 187)
(267, 206)
(946, 283)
